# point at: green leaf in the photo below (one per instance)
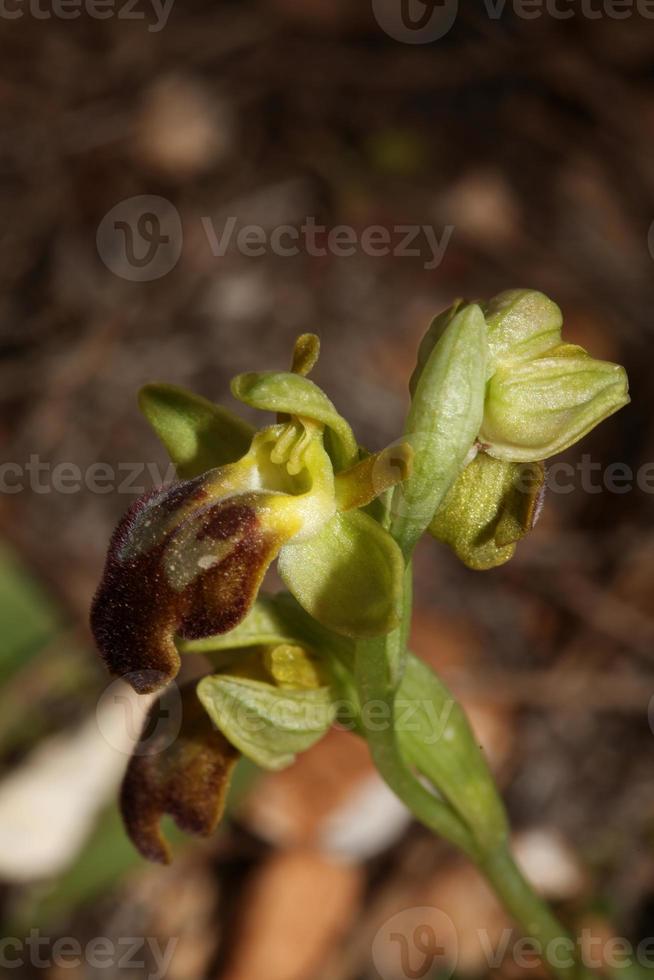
(197, 434)
(444, 420)
(29, 618)
(490, 507)
(348, 576)
(535, 409)
(439, 742)
(522, 323)
(292, 394)
(268, 724)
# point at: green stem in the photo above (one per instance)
(468, 811)
(556, 947)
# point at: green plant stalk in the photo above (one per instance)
(468, 812)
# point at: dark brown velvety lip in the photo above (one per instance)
(136, 612)
(184, 774)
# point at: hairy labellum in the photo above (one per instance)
(179, 562)
(184, 774)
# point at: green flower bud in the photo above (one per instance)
(537, 408)
(522, 324)
(492, 505)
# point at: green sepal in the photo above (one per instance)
(537, 408)
(269, 725)
(445, 417)
(292, 394)
(490, 507)
(197, 434)
(433, 334)
(522, 323)
(348, 575)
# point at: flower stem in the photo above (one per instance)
(467, 810)
(532, 913)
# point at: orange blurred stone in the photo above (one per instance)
(180, 131)
(290, 807)
(297, 906)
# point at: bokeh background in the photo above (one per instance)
(531, 139)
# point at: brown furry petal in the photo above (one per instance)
(177, 563)
(185, 774)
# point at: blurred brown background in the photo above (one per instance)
(531, 140)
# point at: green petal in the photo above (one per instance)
(490, 507)
(269, 725)
(522, 323)
(263, 625)
(305, 354)
(363, 482)
(197, 434)
(445, 417)
(538, 408)
(273, 621)
(348, 576)
(292, 394)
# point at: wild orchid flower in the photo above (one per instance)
(494, 394)
(187, 560)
